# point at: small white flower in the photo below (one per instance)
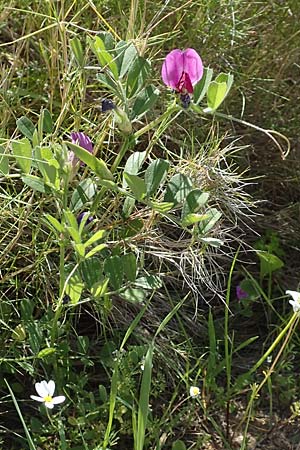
(296, 300)
(46, 391)
(194, 391)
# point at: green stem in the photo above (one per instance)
(172, 108)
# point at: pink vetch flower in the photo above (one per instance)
(181, 70)
(81, 139)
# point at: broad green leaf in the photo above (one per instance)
(97, 165)
(26, 127)
(84, 192)
(23, 153)
(201, 87)
(47, 124)
(192, 218)
(216, 94)
(47, 165)
(149, 282)
(178, 445)
(109, 83)
(155, 175)
(248, 286)
(194, 201)
(161, 207)
(73, 232)
(131, 228)
(178, 188)
(108, 40)
(136, 184)
(130, 266)
(114, 269)
(128, 207)
(36, 183)
(91, 271)
(99, 289)
(133, 164)
(4, 164)
(70, 219)
(133, 295)
(104, 57)
(144, 101)
(268, 262)
(137, 76)
(95, 237)
(213, 216)
(74, 288)
(126, 54)
(225, 78)
(77, 51)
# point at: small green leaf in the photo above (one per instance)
(46, 352)
(216, 94)
(97, 165)
(132, 228)
(133, 295)
(47, 124)
(4, 164)
(149, 282)
(23, 153)
(192, 218)
(104, 57)
(213, 215)
(194, 201)
(136, 184)
(178, 445)
(201, 87)
(95, 237)
(36, 183)
(178, 188)
(126, 56)
(161, 207)
(55, 223)
(144, 101)
(137, 76)
(74, 288)
(95, 250)
(155, 175)
(26, 127)
(84, 192)
(100, 289)
(77, 51)
(91, 271)
(114, 269)
(130, 266)
(268, 262)
(133, 164)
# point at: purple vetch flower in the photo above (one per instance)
(107, 105)
(181, 70)
(240, 293)
(82, 215)
(82, 140)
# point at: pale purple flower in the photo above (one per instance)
(182, 69)
(45, 391)
(240, 293)
(82, 140)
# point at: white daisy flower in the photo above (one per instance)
(46, 391)
(296, 300)
(194, 391)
